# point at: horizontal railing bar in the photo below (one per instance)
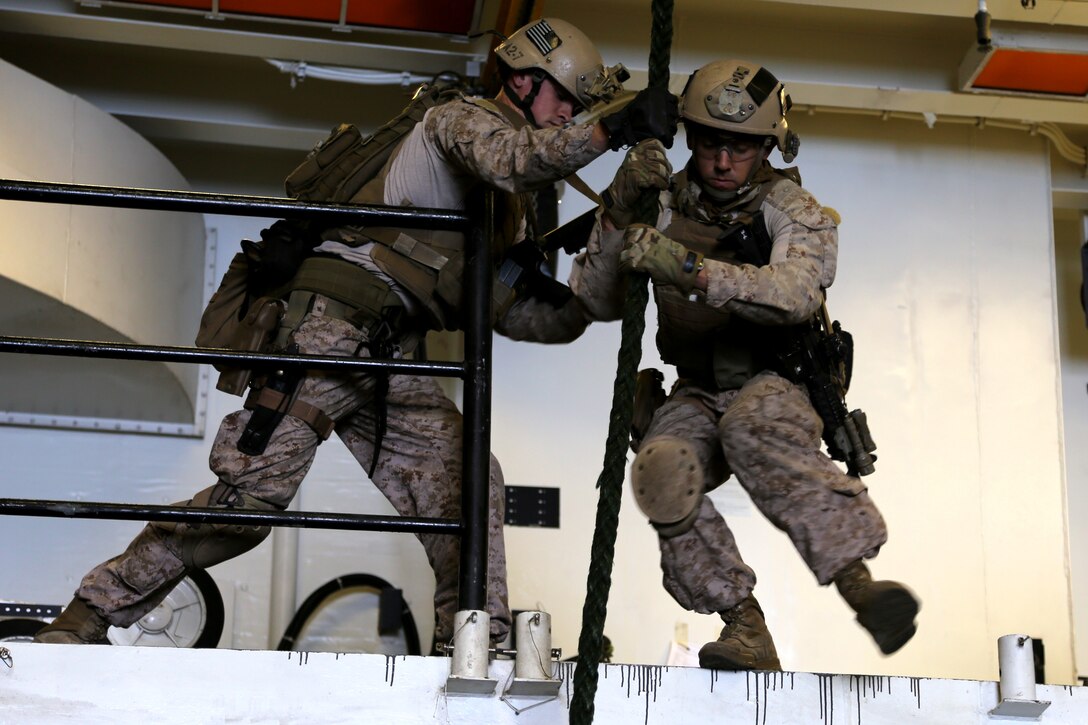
(230, 204)
(165, 353)
(298, 519)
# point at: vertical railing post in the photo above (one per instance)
(477, 426)
(471, 625)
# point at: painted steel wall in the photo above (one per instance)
(119, 274)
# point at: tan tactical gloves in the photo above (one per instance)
(667, 261)
(644, 168)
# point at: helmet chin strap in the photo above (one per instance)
(525, 105)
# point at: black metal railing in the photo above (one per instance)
(475, 370)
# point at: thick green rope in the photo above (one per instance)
(610, 482)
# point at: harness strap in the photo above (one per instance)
(311, 415)
(576, 181)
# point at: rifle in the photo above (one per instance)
(522, 270)
(819, 355)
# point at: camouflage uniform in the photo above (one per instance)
(455, 149)
(737, 415)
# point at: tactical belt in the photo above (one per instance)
(362, 296)
(309, 414)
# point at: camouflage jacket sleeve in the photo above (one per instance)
(482, 143)
(595, 278)
(803, 258)
(533, 320)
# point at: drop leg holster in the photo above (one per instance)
(269, 404)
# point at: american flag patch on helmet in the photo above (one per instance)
(543, 37)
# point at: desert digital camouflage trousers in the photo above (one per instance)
(418, 470)
(768, 435)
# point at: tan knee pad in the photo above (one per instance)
(205, 545)
(668, 482)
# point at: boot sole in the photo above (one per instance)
(64, 638)
(718, 661)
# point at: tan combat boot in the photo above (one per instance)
(885, 608)
(77, 624)
(744, 644)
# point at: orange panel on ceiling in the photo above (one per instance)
(328, 10)
(1032, 71)
(197, 4)
(438, 16)
(448, 16)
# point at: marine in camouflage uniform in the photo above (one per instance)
(371, 292)
(720, 311)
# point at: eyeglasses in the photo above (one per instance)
(738, 149)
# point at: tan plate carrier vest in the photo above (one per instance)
(706, 344)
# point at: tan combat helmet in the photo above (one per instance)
(740, 97)
(561, 50)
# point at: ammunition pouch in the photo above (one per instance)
(322, 172)
(344, 162)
